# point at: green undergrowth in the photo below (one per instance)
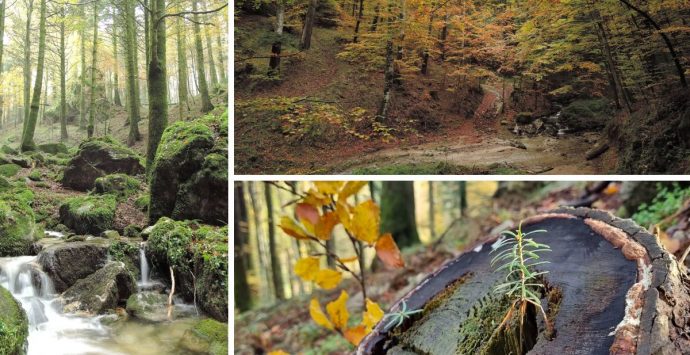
(667, 202)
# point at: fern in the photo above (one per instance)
(518, 255)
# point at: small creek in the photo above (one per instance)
(51, 331)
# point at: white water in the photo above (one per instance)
(50, 330)
(143, 266)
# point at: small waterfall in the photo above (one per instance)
(143, 265)
(50, 330)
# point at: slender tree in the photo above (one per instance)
(116, 80)
(131, 68)
(206, 105)
(94, 50)
(273, 249)
(28, 136)
(308, 27)
(27, 64)
(182, 74)
(241, 238)
(2, 48)
(63, 78)
(82, 84)
(432, 212)
(274, 61)
(211, 61)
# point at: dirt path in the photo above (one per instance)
(543, 154)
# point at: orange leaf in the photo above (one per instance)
(348, 260)
(318, 316)
(325, 225)
(388, 251)
(307, 212)
(350, 188)
(355, 334)
(291, 228)
(278, 352)
(338, 312)
(612, 189)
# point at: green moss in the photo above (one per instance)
(14, 326)
(142, 202)
(121, 185)
(9, 170)
(476, 330)
(216, 333)
(35, 175)
(17, 224)
(8, 150)
(53, 148)
(132, 231)
(181, 135)
(89, 214)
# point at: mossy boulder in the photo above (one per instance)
(121, 185)
(9, 170)
(53, 148)
(98, 157)
(101, 291)
(189, 173)
(66, 263)
(18, 229)
(8, 150)
(208, 336)
(586, 115)
(89, 214)
(14, 325)
(197, 249)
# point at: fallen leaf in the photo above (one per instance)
(337, 311)
(318, 316)
(388, 251)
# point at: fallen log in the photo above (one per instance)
(611, 288)
(597, 151)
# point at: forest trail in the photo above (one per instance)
(494, 148)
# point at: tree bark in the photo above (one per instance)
(276, 267)
(274, 61)
(157, 82)
(116, 80)
(82, 78)
(211, 61)
(131, 67)
(206, 105)
(241, 238)
(359, 20)
(432, 213)
(2, 35)
(182, 74)
(63, 79)
(462, 197)
(94, 50)
(27, 66)
(398, 212)
(305, 39)
(28, 136)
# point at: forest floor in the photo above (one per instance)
(476, 139)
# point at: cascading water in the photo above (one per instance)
(143, 266)
(50, 331)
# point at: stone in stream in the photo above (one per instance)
(89, 214)
(152, 306)
(98, 157)
(101, 291)
(602, 294)
(66, 263)
(207, 336)
(189, 176)
(14, 324)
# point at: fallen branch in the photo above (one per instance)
(172, 292)
(597, 151)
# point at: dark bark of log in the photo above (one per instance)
(597, 151)
(601, 267)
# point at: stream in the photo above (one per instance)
(51, 331)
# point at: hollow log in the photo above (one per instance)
(611, 288)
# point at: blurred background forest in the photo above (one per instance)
(431, 223)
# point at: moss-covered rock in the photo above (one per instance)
(66, 263)
(98, 157)
(18, 229)
(119, 184)
(8, 150)
(142, 202)
(35, 175)
(208, 336)
(89, 214)
(189, 173)
(101, 291)
(126, 252)
(196, 249)
(9, 170)
(53, 148)
(14, 326)
(148, 306)
(586, 115)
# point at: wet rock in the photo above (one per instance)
(89, 214)
(110, 234)
(99, 157)
(103, 290)
(148, 306)
(66, 263)
(206, 337)
(189, 173)
(15, 325)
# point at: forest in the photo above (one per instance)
(409, 267)
(114, 177)
(461, 87)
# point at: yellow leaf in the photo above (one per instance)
(325, 225)
(388, 251)
(306, 268)
(355, 334)
(372, 316)
(291, 228)
(338, 312)
(348, 260)
(328, 187)
(350, 188)
(342, 209)
(327, 278)
(318, 316)
(316, 198)
(365, 222)
(278, 352)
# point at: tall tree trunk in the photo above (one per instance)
(375, 21)
(28, 136)
(222, 72)
(2, 35)
(131, 68)
(432, 213)
(359, 19)
(147, 30)
(92, 101)
(157, 82)
(305, 39)
(116, 80)
(462, 197)
(182, 74)
(425, 56)
(274, 61)
(206, 105)
(211, 60)
(263, 268)
(389, 70)
(63, 79)
(273, 249)
(82, 81)
(444, 36)
(27, 65)
(398, 212)
(241, 238)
